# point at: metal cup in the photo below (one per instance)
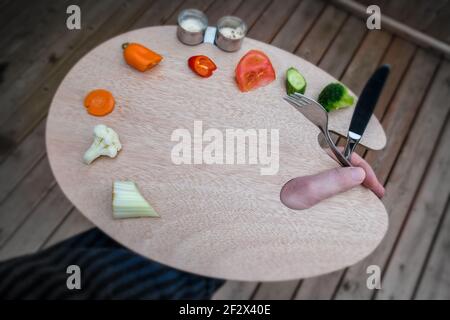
(230, 33)
(192, 24)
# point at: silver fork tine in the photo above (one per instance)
(302, 98)
(292, 101)
(306, 101)
(309, 100)
(296, 101)
(300, 101)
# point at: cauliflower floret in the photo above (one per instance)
(106, 143)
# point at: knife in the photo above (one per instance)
(364, 108)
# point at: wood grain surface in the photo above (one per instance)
(217, 220)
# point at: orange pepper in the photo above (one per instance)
(99, 102)
(140, 57)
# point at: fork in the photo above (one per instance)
(315, 113)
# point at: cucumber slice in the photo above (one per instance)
(295, 82)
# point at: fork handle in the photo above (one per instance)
(343, 161)
(350, 147)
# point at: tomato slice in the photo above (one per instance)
(254, 70)
(202, 65)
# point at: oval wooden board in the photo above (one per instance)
(223, 221)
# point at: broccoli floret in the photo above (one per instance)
(335, 96)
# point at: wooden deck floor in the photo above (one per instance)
(37, 51)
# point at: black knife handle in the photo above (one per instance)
(368, 100)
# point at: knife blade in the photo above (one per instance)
(364, 108)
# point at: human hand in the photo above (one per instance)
(304, 192)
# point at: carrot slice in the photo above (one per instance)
(99, 102)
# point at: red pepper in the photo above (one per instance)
(202, 65)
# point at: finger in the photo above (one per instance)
(304, 192)
(371, 182)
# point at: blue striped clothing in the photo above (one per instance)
(108, 271)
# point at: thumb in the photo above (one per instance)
(304, 192)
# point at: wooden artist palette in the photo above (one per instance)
(223, 221)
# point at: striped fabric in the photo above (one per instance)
(108, 271)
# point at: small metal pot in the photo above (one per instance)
(192, 24)
(230, 33)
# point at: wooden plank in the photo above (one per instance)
(235, 290)
(402, 111)
(420, 14)
(16, 208)
(22, 160)
(321, 34)
(28, 26)
(221, 8)
(357, 74)
(4, 4)
(340, 53)
(74, 224)
(23, 25)
(435, 283)
(159, 13)
(319, 288)
(411, 251)
(436, 29)
(272, 20)
(15, 9)
(400, 29)
(298, 25)
(280, 290)
(45, 218)
(399, 57)
(248, 10)
(366, 60)
(402, 185)
(50, 41)
(202, 5)
(251, 10)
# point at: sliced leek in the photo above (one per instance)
(129, 203)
